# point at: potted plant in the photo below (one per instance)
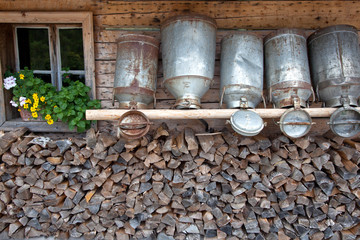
(38, 100)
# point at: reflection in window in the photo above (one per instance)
(71, 48)
(33, 48)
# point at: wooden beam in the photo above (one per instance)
(2, 97)
(114, 114)
(36, 126)
(89, 53)
(228, 14)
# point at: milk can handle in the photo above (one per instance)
(222, 96)
(113, 97)
(154, 100)
(263, 98)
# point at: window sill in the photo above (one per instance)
(35, 126)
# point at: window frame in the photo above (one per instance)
(54, 50)
(85, 19)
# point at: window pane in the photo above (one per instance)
(33, 48)
(45, 77)
(72, 77)
(71, 48)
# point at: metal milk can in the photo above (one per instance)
(335, 69)
(241, 80)
(241, 70)
(288, 78)
(136, 70)
(188, 54)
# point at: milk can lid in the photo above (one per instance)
(134, 124)
(345, 122)
(295, 123)
(246, 122)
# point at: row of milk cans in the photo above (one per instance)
(295, 69)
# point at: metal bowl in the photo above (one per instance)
(246, 122)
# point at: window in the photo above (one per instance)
(49, 34)
(49, 59)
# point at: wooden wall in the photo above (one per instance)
(113, 18)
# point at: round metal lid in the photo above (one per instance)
(345, 122)
(133, 124)
(246, 122)
(295, 123)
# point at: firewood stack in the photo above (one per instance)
(171, 185)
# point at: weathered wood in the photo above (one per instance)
(111, 114)
(36, 126)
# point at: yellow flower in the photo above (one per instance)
(22, 76)
(33, 109)
(26, 106)
(35, 105)
(34, 115)
(19, 110)
(55, 106)
(35, 96)
(42, 99)
(28, 101)
(47, 117)
(50, 121)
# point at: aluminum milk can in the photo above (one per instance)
(136, 70)
(241, 80)
(335, 69)
(334, 55)
(286, 67)
(188, 54)
(288, 78)
(241, 70)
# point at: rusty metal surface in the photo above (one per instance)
(188, 55)
(134, 124)
(136, 70)
(241, 70)
(334, 56)
(287, 71)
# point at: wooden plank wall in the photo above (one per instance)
(114, 18)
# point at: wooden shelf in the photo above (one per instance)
(38, 126)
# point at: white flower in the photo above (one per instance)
(9, 82)
(22, 101)
(14, 104)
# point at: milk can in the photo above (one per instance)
(135, 81)
(241, 80)
(335, 69)
(288, 78)
(188, 54)
(136, 70)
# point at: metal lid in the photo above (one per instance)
(246, 122)
(345, 122)
(133, 124)
(295, 123)
(240, 35)
(139, 38)
(189, 17)
(284, 31)
(331, 29)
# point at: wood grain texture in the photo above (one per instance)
(36, 126)
(228, 14)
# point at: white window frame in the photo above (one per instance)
(55, 71)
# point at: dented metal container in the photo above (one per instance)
(241, 70)
(286, 67)
(136, 70)
(334, 56)
(188, 54)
